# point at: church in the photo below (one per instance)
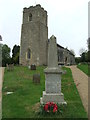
(34, 39)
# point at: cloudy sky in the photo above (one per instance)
(67, 20)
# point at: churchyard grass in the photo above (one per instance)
(84, 68)
(24, 101)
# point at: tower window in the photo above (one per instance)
(30, 17)
(29, 54)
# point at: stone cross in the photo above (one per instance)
(53, 73)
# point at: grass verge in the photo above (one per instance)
(84, 68)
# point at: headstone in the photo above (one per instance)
(53, 73)
(29, 67)
(10, 67)
(33, 67)
(36, 78)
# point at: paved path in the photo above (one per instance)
(1, 80)
(81, 81)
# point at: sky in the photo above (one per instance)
(67, 20)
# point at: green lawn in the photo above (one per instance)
(24, 102)
(84, 68)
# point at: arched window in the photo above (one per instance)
(66, 59)
(30, 17)
(28, 54)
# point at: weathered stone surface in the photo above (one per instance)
(57, 98)
(36, 78)
(53, 73)
(53, 83)
(34, 36)
(52, 53)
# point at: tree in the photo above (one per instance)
(6, 59)
(82, 50)
(83, 57)
(77, 60)
(88, 42)
(15, 54)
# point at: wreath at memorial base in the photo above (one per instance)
(50, 107)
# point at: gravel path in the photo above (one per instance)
(81, 81)
(1, 80)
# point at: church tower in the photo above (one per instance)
(34, 36)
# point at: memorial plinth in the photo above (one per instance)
(53, 73)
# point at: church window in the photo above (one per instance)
(66, 59)
(29, 54)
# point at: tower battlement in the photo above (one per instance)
(38, 6)
(35, 14)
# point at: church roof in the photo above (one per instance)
(60, 46)
(66, 49)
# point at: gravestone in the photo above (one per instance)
(10, 67)
(29, 67)
(33, 67)
(36, 78)
(53, 73)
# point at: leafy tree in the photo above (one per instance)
(88, 42)
(88, 54)
(82, 50)
(83, 57)
(15, 54)
(6, 59)
(77, 60)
